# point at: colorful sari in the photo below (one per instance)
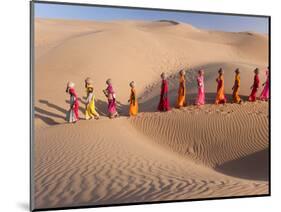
(236, 87)
(181, 93)
(255, 87)
(72, 114)
(265, 92)
(133, 103)
(201, 93)
(111, 102)
(220, 98)
(164, 101)
(90, 104)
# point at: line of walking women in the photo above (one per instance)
(164, 105)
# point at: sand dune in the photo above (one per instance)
(98, 167)
(204, 132)
(196, 152)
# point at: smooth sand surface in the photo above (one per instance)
(189, 153)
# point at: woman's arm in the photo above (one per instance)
(105, 92)
(133, 98)
(89, 98)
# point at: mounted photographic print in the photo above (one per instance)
(140, 105)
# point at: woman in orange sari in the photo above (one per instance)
(133, 100)
(182, 91)
(220, 99)
(236, 87)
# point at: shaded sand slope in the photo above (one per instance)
(211, 135)
(93, 163)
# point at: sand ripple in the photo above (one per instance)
(152, 159)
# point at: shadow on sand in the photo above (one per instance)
(48, 117)
(152, 104)
(123, 109)
(47, 120)
(101, 107)
(252, 167)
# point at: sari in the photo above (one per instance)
(111, 102)
(201, 93)
(90, 104)
(236, 87)
(72, 113)
(164, 101)
(181, 93)
(220, 98)
(265, 92)
(133, 111)
(255, 87)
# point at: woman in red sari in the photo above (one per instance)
(255, 86)
(72, 114)
(164, 100)
(220, 98)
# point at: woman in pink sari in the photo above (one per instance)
(164, 101)
(265, 92)
(255, 86)
(110, 94)
(201, 93)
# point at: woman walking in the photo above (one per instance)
(235, 96)
(110, 94)
(72, 113)
(164, 100)
(255, 86)
(90, 101)
(220, 98)
(265, 92)
(133, 111)
(182, 90)
(201, 93)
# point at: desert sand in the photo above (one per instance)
(194, 152)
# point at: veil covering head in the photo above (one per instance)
(256, 71)
(70, 84)
(182, 72)
(132, 84)
(88, 80)
(201, 71)
(163, 75)
(109, 81)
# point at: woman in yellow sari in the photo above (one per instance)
(133, 111)
(236, 87)
(220, 99)
(182, 90)
(90, 101)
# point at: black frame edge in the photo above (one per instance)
(31, 103)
